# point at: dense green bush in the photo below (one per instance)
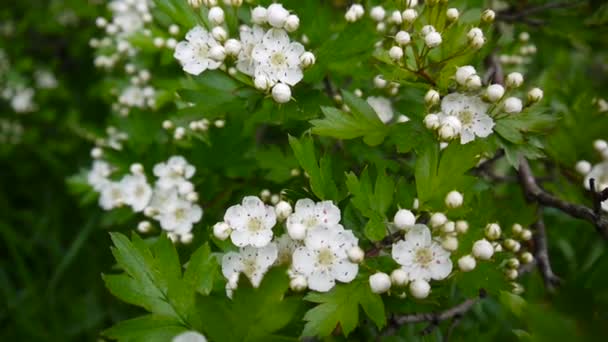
(325, 170)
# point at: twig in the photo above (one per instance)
(434, 318)
(379, 246)
(542, 253)
(535, 193)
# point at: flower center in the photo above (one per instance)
(325, 257)
(139, 191)
(202, 51)
(424, 256)
(278, 59)
(465, 117)
(116, 194)
(255, 225)
(311, 222)
(179, 214)
(249, 266)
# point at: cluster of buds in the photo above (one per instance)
(182, 129)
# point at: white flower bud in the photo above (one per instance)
(512, 245)
(150, 212)
(354, 13)
(495, 92)
(173, 237)
(274, 199)
(526, 234)
(514, 80)
(265, 195)
(431, 121)
(420, 289)
(411, 3)
(396, 18)
(281, 93)
(433, 39)
(463, 73)
(449, 243)
(217, 53)
(467, 263)
(377, 13)
(431, 98)
(381, 27)
(136, 169)
(277, 15)
(450, 128)
(535, 95)
(403, 38)
(216, 16)
(158, 42)
(96, 152)
(283, 210)
(262, 82)
(402, 118)
(235, 3)
(497, 247)
(259, 15)
(416, 204)
(298, 283)
(473, 82)
(404, 219)
(482, 249)
(179, 133)
(493, 231)
(513, 105)
(167, 124)
(296, 231)
(292, 23)
(409, 15)
(426, 29)
(186, 238)
(356, 254)
(513, 263)
(221, 230)
(380, 82)
(448, 227)
(144, 227)
(219, 33)
(437, 220)
(600, 145)
(173, 29)
(583, 167)
(517, 229)
(511, 274)
(192, 197)
(396, 53)
(462, 227)
(526, 257)
(524, 37)
(477, 42)
(232, 47)
(474, 32)
(380, 282)
(488, 16)
(452, 14)
(171, 43)
(399, 277)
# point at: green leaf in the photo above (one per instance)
(201, 271)
(340, 306)
(426, 170)
(146, 328)
(513, 302)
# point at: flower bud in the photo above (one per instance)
(356, 254)
(221, 230)
(377, 13)
(511, 274)
(292, 23)
(277, 15)
(452, 14)
(217, 53)
(516, 229)
(493, 231)
(462, 227)
(433, 39)
(454, 199)
(467, 263)
(404, 218)
(426, 29)
(283, 210)
(474, 32)
(512, 245)
(535, 95)
(298, 283)
(420, 289)
(524, 37)
(396, 53)
(396, 18)
(448, 227)
(216, 16)
(403, 38)
(262, 82)
(583, 167)
(477, 42)
(259, 15)
(144, 227)
(526, 257)
(380, 82)
(513, 105)
(432, 97)
(186, 238)
(514, 80)
(281, 93)
(483, 250)
(411, 3)
(409, 15)
(473, 82)
(526, 234)
(431, 121)
(449, 243)
(600, 145)
(463, 73)
(513, 263)
(497, 247)
(517, 288)
(296, 231)
(96, 152)
(488, 16)
(219, 33)
(232, 47)
(495, 92)
(437, 220)
(307, 59)
(399, 277)
(450, 128)
(380, 282)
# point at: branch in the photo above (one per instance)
(379, 246)
(535, 193)
(542, 254)
(434, 318)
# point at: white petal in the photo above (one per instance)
(321, 281)
(291, 76)
(236, 217)
(419, 235)
(196, 68)
(240, 238)
(440, 269)
(466, 136)
(303, 261)
(318, 237)
(403, 253)
(276, 39)
(184, 52)
(483, 125)
(231, 263)
(260, 238)
(267, 255)
(345, 271)
(328, 213)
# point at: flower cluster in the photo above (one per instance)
(317, 248)
(171, 202)
(597, 172)
(522, 51)
(470, 112)
(263, 51)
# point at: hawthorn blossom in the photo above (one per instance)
(250, 38)
(421, 257)
(277, 58)
(137, 191)
(324, 257)
(112, 196)
(309, 214)
(251, 222)
(178, 216)
(194, 53)
(471, 111)
(174, 173)
(252, 262)
(98, 175)
(285, 246)
(599, 173)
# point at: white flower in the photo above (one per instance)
(599, 173)
(402, 38)
(354, 13)
(277, 15)
(383, 108)
(251, 222)
(281, 92)
(324, 257)
(285, 246)
(277, 58)
(216, 15)
(250, 38)
(409, 15)
(421, 257)
(174, 173)
(513, 105)
(482, 249)
(189, 336)
(252, 262)
(471, 111)
(23, 100)
(467, 263)
(463, 73)
(453, 199)
(495, 92)
(179, 215)
(420, 289)
(308, 214)
(45, 79)
(259, 15)
(112, 196)
(194, 53)
(514, 80)
(377, 13)
(380, 282)
(433, 39)
(98, 176)
(137, 191)
(404, 218)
